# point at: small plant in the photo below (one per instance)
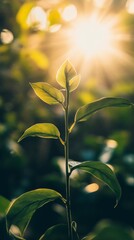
(22, 208)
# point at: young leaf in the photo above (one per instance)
(74, 82)
(65, 74)
(58, 232)
(43, 130)
(22, 209)
(84, 112)
(47, 93)
(4, 203)
(102, 172)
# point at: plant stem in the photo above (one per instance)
(66, 148)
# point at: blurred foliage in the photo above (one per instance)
(33, 54)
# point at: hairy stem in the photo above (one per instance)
(66, 148)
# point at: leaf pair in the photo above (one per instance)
(22, 209)
(66, 77)
(48, 130)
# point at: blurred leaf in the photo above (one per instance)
(84, 112)
(39, 58)
(58, 232)
(43, 130)
(65, 74)
(54, 17)
(100, 171)
(74, 82)
(111, 231)
(22, 208)
(23, 14)
(48, 93)
(4, 204)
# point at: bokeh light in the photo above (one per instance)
(93, 187)
(130, 6)
(6, 36)
(37, 18)
(69, 13)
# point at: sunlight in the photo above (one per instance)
(37, 18)
(6, 36)
(69, 13)
(93, 187)
(130, 6)
(99, 3)
(92, 37)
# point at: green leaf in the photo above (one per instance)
(48, 93)
(74, 82)
(22, 209)
(102, 172)
(65, 74)
(107, 230)
(84, 112)
(43, 130)
(4, 203)
(58, 232)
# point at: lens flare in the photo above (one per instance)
(92, 37)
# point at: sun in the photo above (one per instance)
(92, 38)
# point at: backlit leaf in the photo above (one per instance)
(64, 75)
(43, 130)
(102, 172)
(74, 82)
(22, 208)
(48, 93)
(84, 112)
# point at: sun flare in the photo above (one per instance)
(92, 38)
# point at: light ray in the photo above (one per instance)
(95, 45)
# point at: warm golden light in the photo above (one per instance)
(69, 13)
(37, 18)
(99, 3)
(130, 6)
(111, 143)
(6, 36)
(92, 37)
(95, 43)
(93, 187)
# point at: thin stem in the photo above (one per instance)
(66, 149)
